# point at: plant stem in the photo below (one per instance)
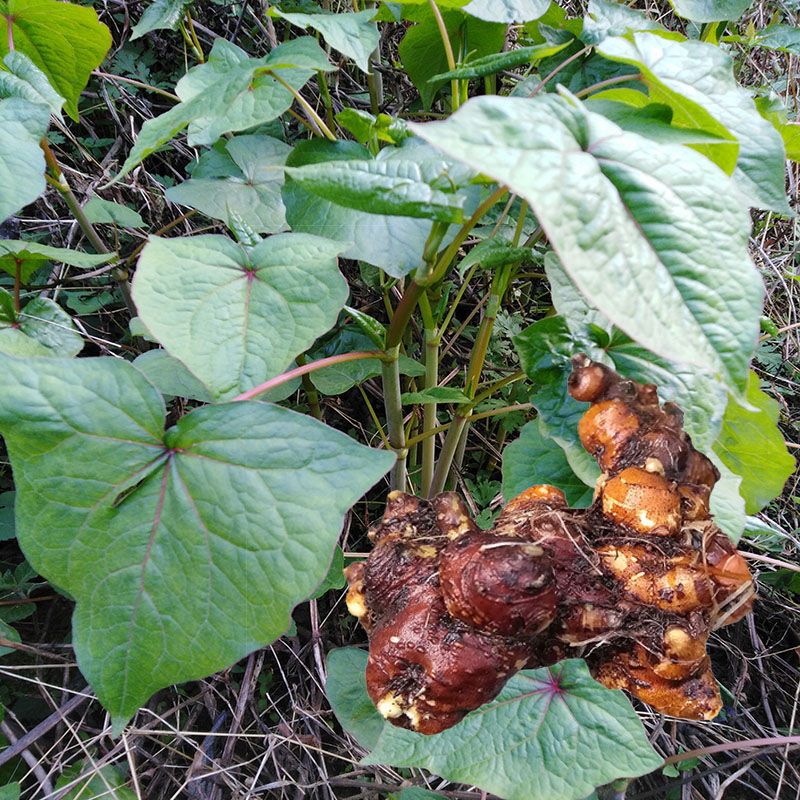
(550, 75)
(384, 438)
(322, 81)
(193, 40)
(60, 182)
(306, 106)
(297, 372)
(447, 454)
(609, 82)
(448, 51)
(311, 392)
(394, 415)
(493, 412)
(402, 314)
(429, 419)
(109, 77)
(17, 286)
(375, 79)
(447, 257)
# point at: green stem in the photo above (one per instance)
(306, 106)
(193, 40)
(109, 77)
(394, 415)
(494, 412)
(297, 372)
(60, 182)
(402, 314)
(550, 75)
(375, 79)
(609, 82)
(322, 81)
(429, 419)
(448, 51)
(456, 439)
(447, 454)
(384, 438)
(311, 391)
(447, 257)
(17, 286)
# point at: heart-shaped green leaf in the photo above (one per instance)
(66, 41)
(42, 328)
(400, 187)
(236, 316)
(352, 34)
(22, 125)
(652, 234)
(555, 733)
(252, 191)
(230, 92)
(185, 549)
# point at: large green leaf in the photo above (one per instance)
(352, 34)
(236, 316)
(652, 234)
(235, 91)
(230, 92)
(710, 10)
(185, 549)
(534, 458)
(393, 243)
(555, 733)
(422, 51)
(404, 188)
(751, 445)
(22, 125)
(250, 192)
(30, 256)
(22, 78)
(507, 10)
(66, 41)
(159, 15)
(696, 79)
(10, 791)
(606, 18)
(785, 38)
(42, 328)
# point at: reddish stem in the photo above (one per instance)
(306, 368)
(10, 32)
(747, 744)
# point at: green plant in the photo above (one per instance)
(615, 158)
